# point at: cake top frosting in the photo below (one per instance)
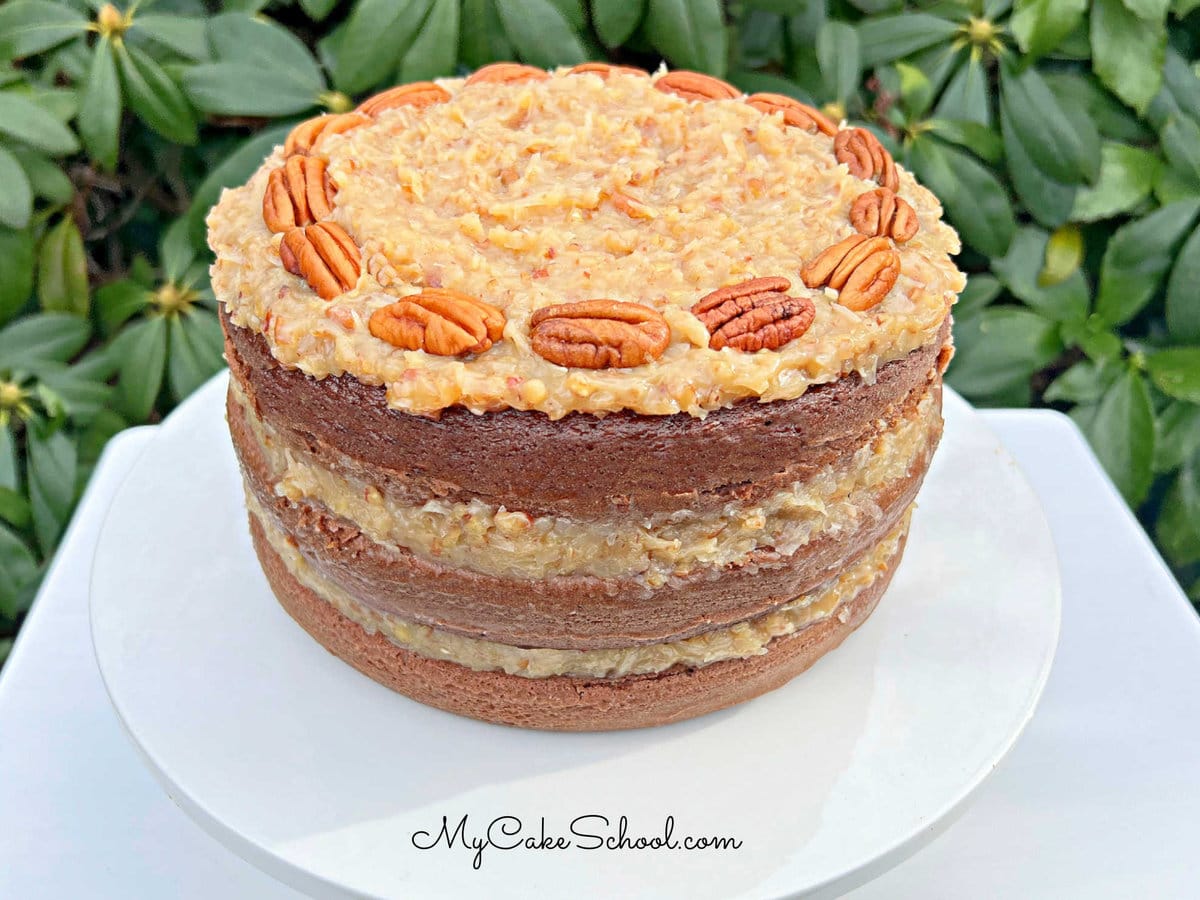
(553, 242)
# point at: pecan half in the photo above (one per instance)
(599, 334)
(419, 94)
(604, 69)
(795, 113)
(865, 157)
(440, 321)
(324, 256)
(754, 315)
(881, 213)
(506, 73)
(305, 136)
(298, 193)
(862, 269)
(696, 86)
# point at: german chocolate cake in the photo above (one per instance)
(582, 400)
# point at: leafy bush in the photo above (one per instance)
(1063, 138)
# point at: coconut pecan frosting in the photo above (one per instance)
(593, 239)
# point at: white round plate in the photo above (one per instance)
(329, 781)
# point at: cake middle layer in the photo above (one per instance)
(495, 540)
(739, 641)
(621, 578)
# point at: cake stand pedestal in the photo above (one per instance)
(337, 786)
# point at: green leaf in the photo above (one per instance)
(435, 50)
(1085, 382)
(14, 508)
(154, 96)
(886, 38)
(379, 33)
(539, 33)
(981, 290)
(52, 465)
(31, 26)
(753, 82)
(1093, 338)
(1178, 526)
(45, 178)
(260, 42)
(1020, 269)
(1047, 136)
(1178, 436)
(916, 91)
(18, 569)
(615, 20)
(689, 33)
(100, 108)
(49, 336)
(966, 97)
(484, 41)
(1176, 372)
(243, 89)
(999, 350)
(1172, 185)
(185, 35)
(318, 10)
(1137, 257)
(1064, 253)
(573, 12)
(1110, 116)
(141, 354)
(10, 474)
(979, 139)
(1183, 292)
(194, 355)
(98, 433)
(1122, 435)
(1127, 52)
(81, 395)
(176, 252)
(233, 170)
(24, 120)
(16, 200)
(62, 283)
(1154, 10)
(16, 274)
(1181, 144)
(838, 57)
(61, 103)
(975, 201)
(117, 301)
(1180, 92)
(1040, 25)
(1127, 175)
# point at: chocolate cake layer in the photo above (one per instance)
(579, 612)
(581, 465)
(562, 703)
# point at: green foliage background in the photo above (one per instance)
(1062, 136)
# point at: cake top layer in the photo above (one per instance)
(488, 200)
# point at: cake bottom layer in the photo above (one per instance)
(564, 703)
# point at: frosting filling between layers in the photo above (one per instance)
(510, 543)
(746, 639)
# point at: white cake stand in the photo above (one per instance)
(329, 781)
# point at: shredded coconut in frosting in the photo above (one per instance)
(570, 189)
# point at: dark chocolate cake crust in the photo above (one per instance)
(563, 703)
(581, 465)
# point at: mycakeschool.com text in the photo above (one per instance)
(592, 831)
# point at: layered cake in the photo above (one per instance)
(583, 399)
